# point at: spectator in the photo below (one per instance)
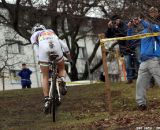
(102, 77)
(134, 29)
(150, 62)
(154, 15)
(117, 28)
(112, 64)
(25, 74)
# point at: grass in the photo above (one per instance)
(83, 108)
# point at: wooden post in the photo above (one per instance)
(124, 69)
(105, 68)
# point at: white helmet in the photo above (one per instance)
(38, 27)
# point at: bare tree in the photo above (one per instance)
(68, 18)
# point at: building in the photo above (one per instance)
(14, 54)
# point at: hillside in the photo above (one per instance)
(83, 108)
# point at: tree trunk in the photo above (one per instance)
(74, 73)
(90, 59)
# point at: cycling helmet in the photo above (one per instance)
(38, 27)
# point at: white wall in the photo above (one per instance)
(17, 59)
(89, 44)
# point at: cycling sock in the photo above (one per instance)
(60, 79)
(46, 98)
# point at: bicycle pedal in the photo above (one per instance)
(58, 102)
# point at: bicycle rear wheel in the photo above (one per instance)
(54, 92)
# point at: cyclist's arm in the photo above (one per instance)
(65, 49)
(64, 46)
(36, 49)
(69, 57)
(33, 40)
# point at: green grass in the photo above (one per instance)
(83, 108)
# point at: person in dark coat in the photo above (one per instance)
(25, 74)
(118, 28)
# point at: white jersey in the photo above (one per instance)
(47, 41)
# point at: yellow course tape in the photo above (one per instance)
(82, 83)
(133, 37)
(75, 83)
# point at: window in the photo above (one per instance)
(14, 47)
(15, 79)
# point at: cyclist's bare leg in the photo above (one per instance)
(45, 86)
(45, 73)
(61, 68)
(62, 74)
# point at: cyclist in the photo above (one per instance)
(45, 41)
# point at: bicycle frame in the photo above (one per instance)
(57, 84)
(54, 93)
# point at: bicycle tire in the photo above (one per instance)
(50, 100)
(54, 104)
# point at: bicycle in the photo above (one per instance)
(54, 91)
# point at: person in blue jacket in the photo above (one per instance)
(150, 62)
(25, 74)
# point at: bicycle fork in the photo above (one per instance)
(58, 91)
(59, 95)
